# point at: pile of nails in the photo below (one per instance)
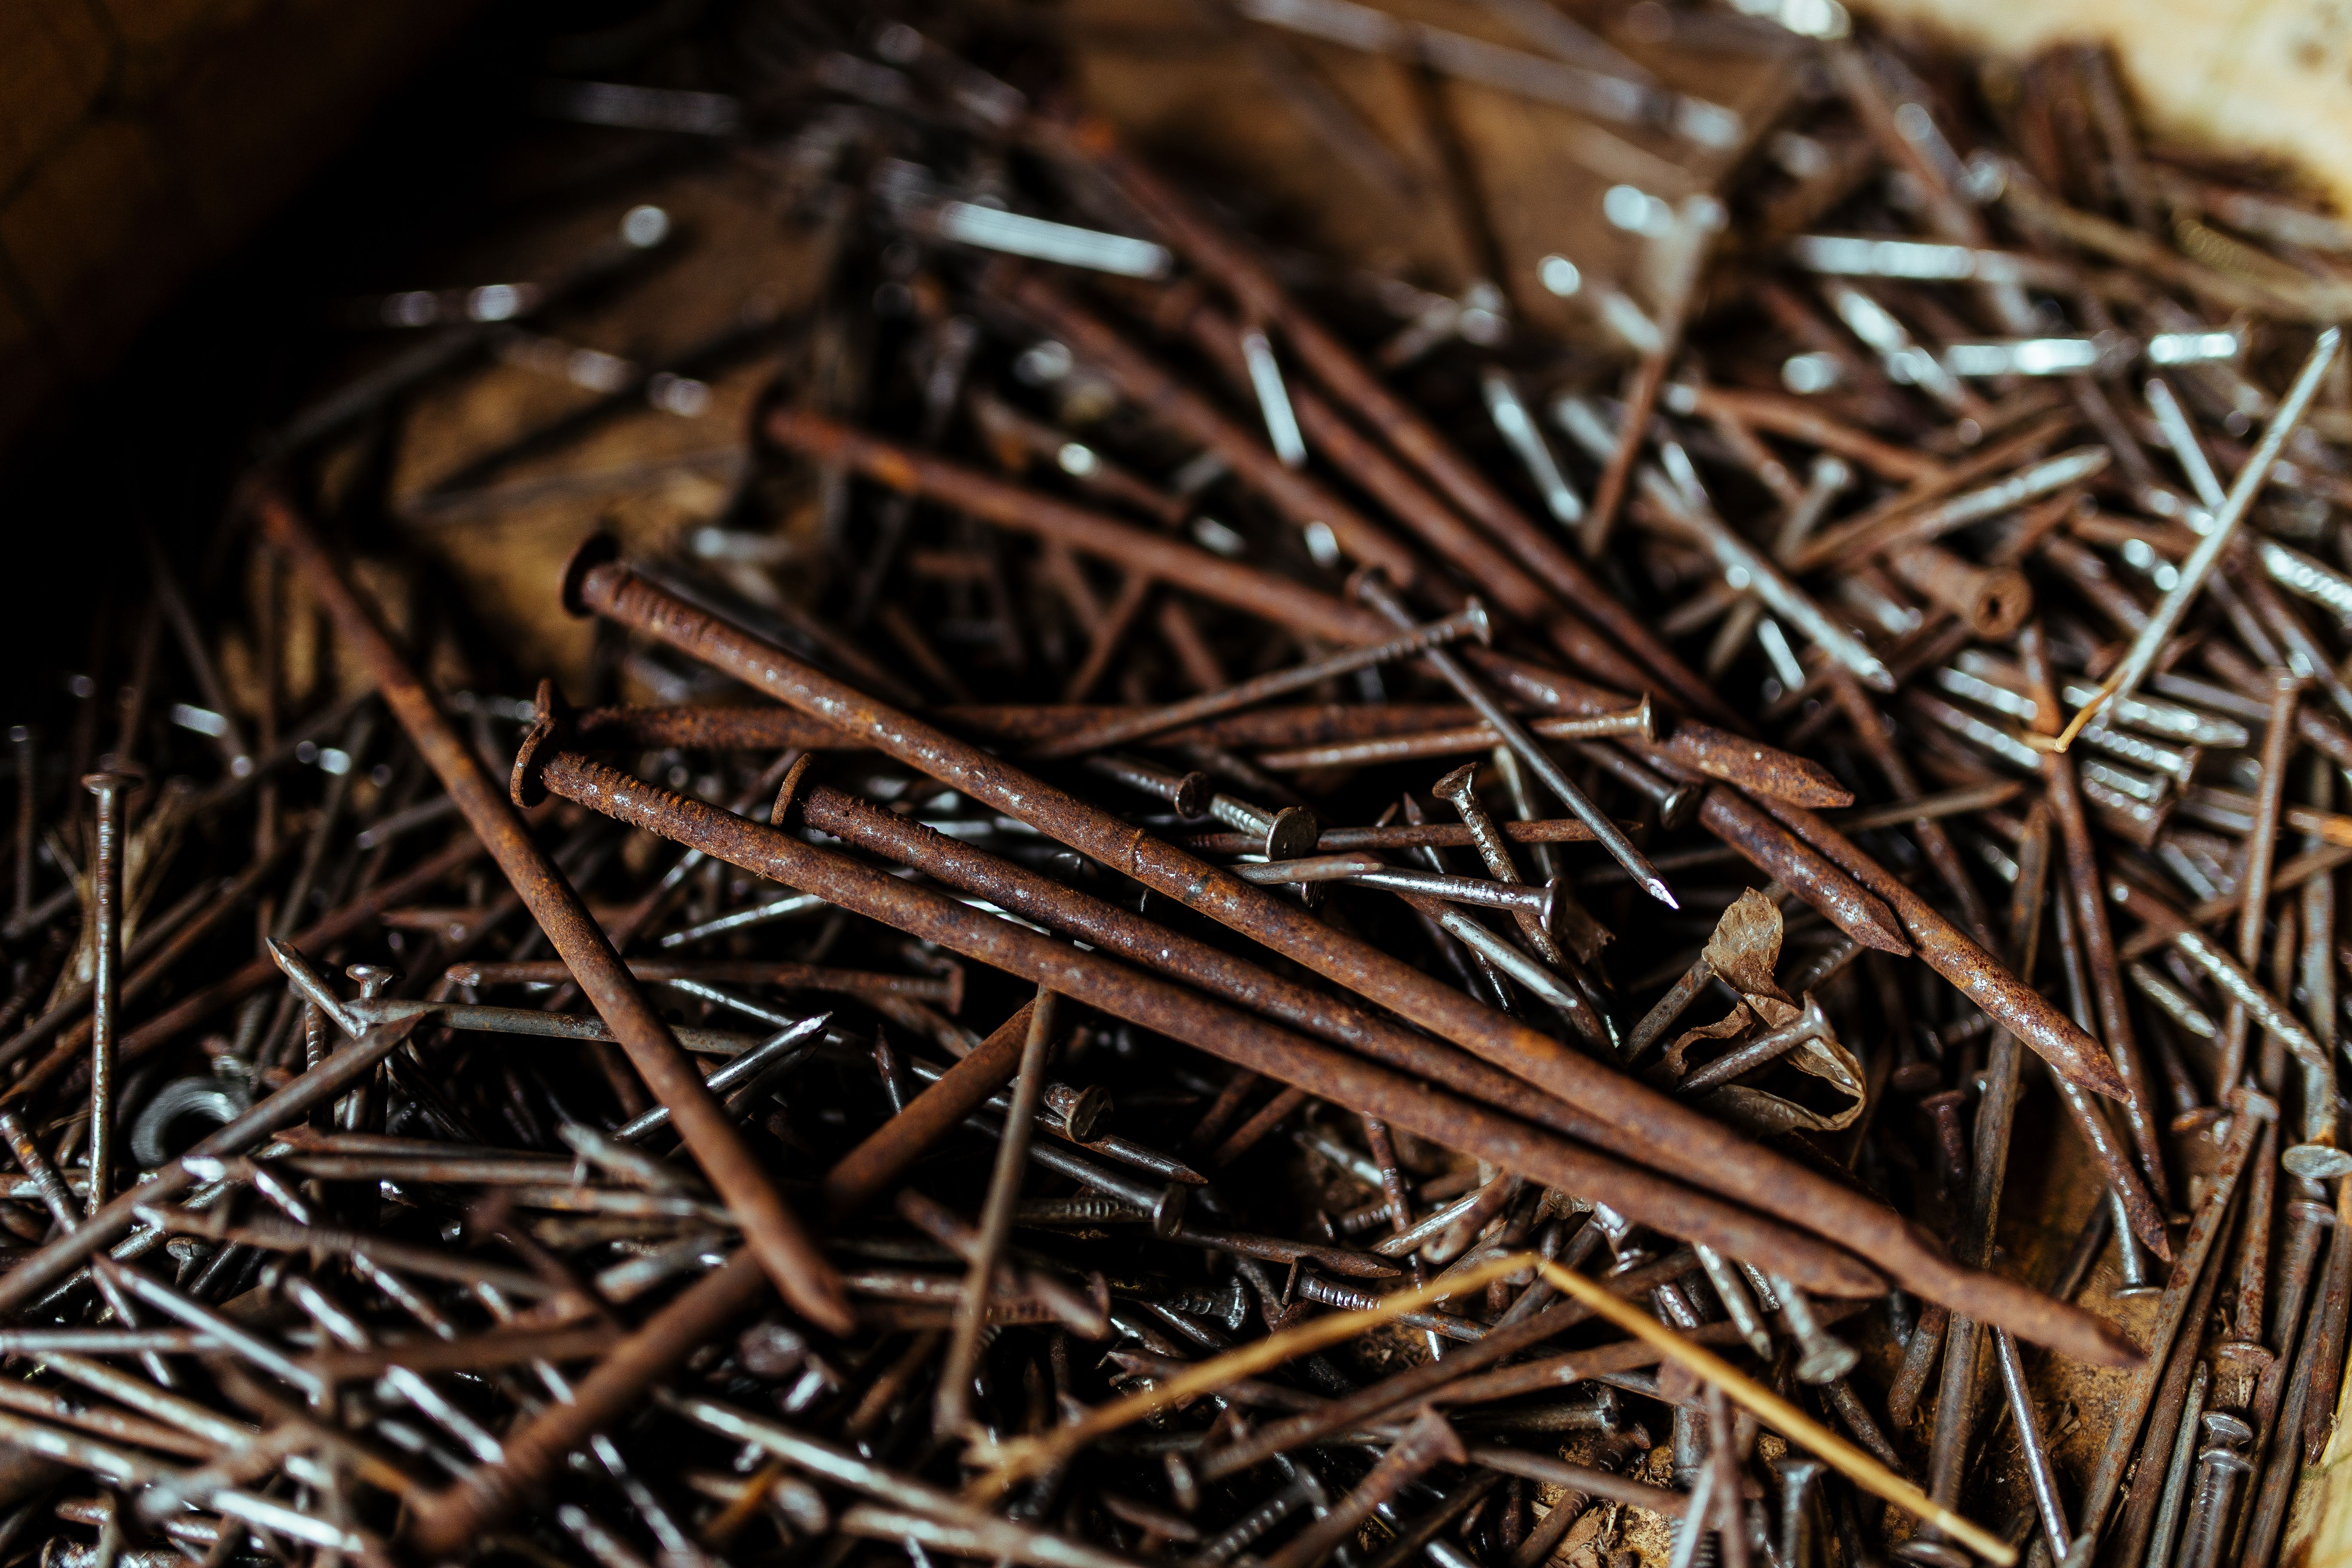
(1296, 939)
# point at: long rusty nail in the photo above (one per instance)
(106, 982)
(2090, 1117)
(776, 1237)
(1089, 979)
(1869, 726)
(595, 582)
(1407, 432)
(950, 1411)
(1974, 972)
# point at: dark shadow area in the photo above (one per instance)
(159, 444)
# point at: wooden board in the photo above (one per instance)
(2267, 77)
(143, 139)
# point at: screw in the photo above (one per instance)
(1163, 1206)
(774, 1233)
(1326, 1292)
(1227, 1303)
(1076, 1211)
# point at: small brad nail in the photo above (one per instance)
(1821, 1358)
(1458, 789)
(2221, 1464)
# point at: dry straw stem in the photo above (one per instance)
(1010, 1462)
(1778, 1413)
(1022, 1457)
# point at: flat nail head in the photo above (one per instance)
(371, 978)
(1828, 1361)
(548, 701)
(525, 784)
(1191, 795)
(2316, 1162)
(1087, 1111)
(595, 551)
(1680, 805)
(780, 814)
(1292, 835)
(1167, 1213)
(1454, 787)
(2223, 1427)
